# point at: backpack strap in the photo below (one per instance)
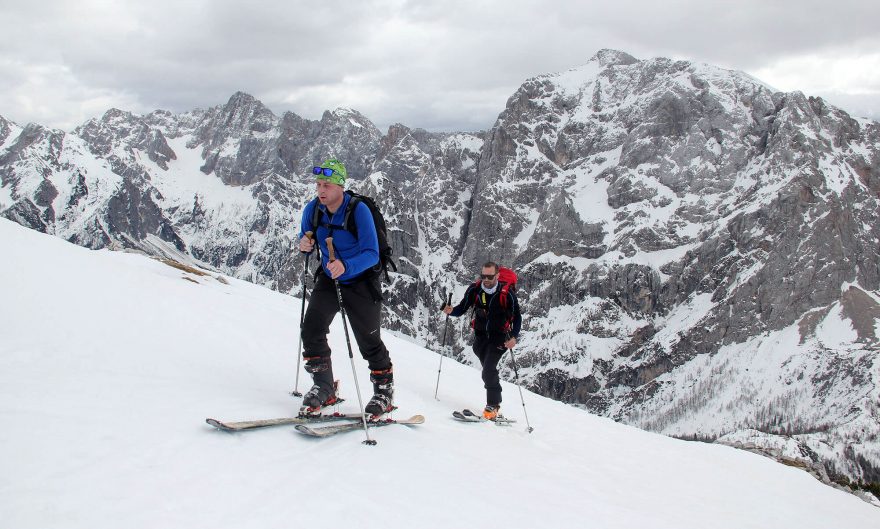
(505, 304)
(504, 299)
(476, 287)
(351, 227)
(317, 218)
(316, 214)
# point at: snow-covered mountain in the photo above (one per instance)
(718, 243)
(698, 254)
(110, 362)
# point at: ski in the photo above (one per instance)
(327, 431)
(469, 416)
(265, 423)
(465, 418)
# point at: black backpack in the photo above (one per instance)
(385, 250)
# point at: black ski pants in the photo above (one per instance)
(489, 348)
(364, 313)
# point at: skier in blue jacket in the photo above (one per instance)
(356, 268)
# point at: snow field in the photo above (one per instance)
(110, 363)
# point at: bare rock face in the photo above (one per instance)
(5, 130)
(698, 254)
(122, 135)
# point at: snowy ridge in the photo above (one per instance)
(107, 425)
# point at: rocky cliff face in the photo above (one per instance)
(694, 219)
(698, 254)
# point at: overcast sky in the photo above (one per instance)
(440, 65)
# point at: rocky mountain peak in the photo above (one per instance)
(609, 57)
(120, 134)
(346, 118)
(396, 133)
(167, 122)
(36, 135)
(5, 129)
(227, 132)
(345, 112)
(244, 114)
(115, 115)
(240, 98)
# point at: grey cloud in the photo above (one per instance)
(438, 65)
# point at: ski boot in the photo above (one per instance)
(383, 392)
(323, 392)
(491, 412)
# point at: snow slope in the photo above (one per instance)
(110, 362)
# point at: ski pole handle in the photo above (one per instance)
(447, 301)
(329, 241)
(310, 236)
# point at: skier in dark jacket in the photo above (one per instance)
(356, 269)
(496, 326)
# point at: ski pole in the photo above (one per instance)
(529, 428)
(442, 345)
(357, 388)
(302, 317)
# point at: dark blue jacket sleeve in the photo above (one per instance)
(465, 303)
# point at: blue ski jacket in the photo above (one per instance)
(358, 255)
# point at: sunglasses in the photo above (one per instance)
(488, 276)
(322, 170)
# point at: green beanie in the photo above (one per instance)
(339, 173)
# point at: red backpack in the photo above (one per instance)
(507, 278)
